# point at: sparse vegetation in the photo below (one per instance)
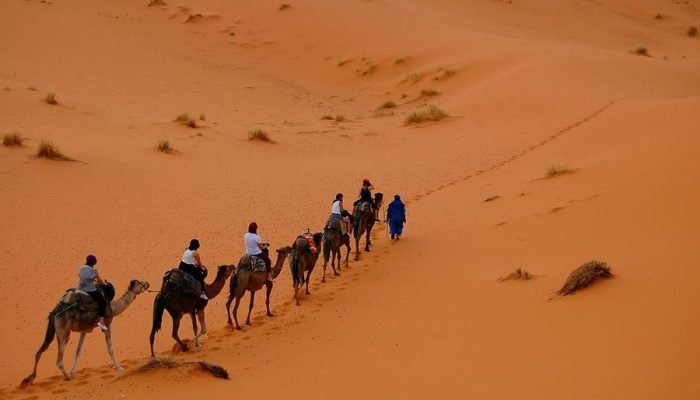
(641, 51)
(517, 275)
(692, 31)
(165, 147)
(50, 151)
(343, 62)
(584, 276)
(259, 134)
(658, 16)
(184, 367)
(557, 169)
(431, 114)
(185, 119)
(339, 118)
(413, 78)
(446, 74)
(327, 117)
(371, 68)
(284, 6)
(154, 3)
(12, 139)
(51, 98)
(429, 93)
(387, 104)
(402, 60)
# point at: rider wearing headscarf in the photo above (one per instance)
(396, 215)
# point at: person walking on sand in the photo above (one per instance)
(396, 216)
(192, 264)
(89, 278)
(254, 247)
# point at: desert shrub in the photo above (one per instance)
(259, 134)
(584, 276)
(339, 118)
(692, 31)
(327, 117)
(51, 98)
(369, 70)
(153, 3)
(284, 6)
(446, 74)
(413, 78)
(12, 139)
(165, 147)
(387, 104)
(185, 119)
(429, 93)
(641, 51)
(658, 16)
(431, 114)
(519, 274)
(557, 169)
(50, 151)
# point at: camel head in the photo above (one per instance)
(138, 287)
(224, 271)
(283, 252)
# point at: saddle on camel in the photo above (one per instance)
(183, 280)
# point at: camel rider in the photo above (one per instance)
(337, 214)
(366, 196)
(192, 264)
(254, 247)
(89, 279)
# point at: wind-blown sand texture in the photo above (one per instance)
(526, 85)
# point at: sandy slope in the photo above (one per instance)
(536, 83)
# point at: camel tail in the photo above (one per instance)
(158, 310)
(233, 284)
(327, 247)
(50, 329)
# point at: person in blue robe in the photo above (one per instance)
(396, 215)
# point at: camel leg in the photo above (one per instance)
(308, 278)
(110, 350)
(228, 308)
(62, 339)
(194, 324)
(235, 311)
(267, 298)
(333, 255)
(77, 354)
(325, 264)
(250, 307)
(203, 331)
(176, 327)
(367, 240)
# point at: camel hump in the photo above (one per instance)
(251, 263)
(183, 280)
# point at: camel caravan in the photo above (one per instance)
(184, 290)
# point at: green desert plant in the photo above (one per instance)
(557, 169)
(517, 275)
(12, 139)
(50, 151)
(259, 134)
(51, 98)
(431, 114)
(584, 276)
(692, 31)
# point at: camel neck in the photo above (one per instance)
(123, 303)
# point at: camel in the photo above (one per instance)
(245, 279)
(77, 312)
(303, 260)
(363, 221)
(179, 301)
(333, 239)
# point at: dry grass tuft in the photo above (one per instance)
(169, 363)
(12, 139)
(517, 275)
(692, 31)
(259, 134)
(447, 73)
(369, 70)
(658, 16)
(557, 169)
(327, 117)
(340, 118)
(154, 3)
(185, 119)
(429, 93)
(51, 98)
(343, 62)
(387, 104)
(413, 78)
(641, 51)
(402, 60)
(284, 6)
(50, 151)
(584, 276)
(431, 114)
(202, 117)
(165, 147)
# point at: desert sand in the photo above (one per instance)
(526, 85)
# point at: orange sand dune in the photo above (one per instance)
(527, 85)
